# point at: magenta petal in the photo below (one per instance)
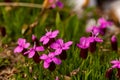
(115, 62)
(46, 64)
(98, 39)
(115, 66)
(65, 48)
(43, 57)
(46, 40)
(26, 52)
(91, 39)
(21, 41)
(49, 60)
(54, 34)
(118, 65)
(82, 39)
(51, 54)
(60, 41)
(69, 43)
(66, 45)
(26, 45)
(31, 54)
(56, 61)
(58, 51)
(48, 33)
(40, 48)
(42, 38)
(18, 49)
(54, 45)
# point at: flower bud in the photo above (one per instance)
(114, 44)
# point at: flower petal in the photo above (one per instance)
(31, 54)
(115, 62)
(118, 65)
(46, 64)
(59, 41)
(26, 52)
(46, 40)
(40, 48)
(54, 34)
(98, 39)
(21, 41)
(115, 66)
(26, 45)
(51, 54)
(69, 43)
(91, 39)
(58, 51)
(48, 33)
(56, 61)
(54, 45)
(42, 38)
(66, 45)
(18, 49)
(43, 57)
(82, 39)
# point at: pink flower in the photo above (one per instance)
(84, 43)
(94, 39)
(33, 50)
(116, 64)
(50, 58)
(49, 35)
(59, 46)
(56, 3)
(103, 23)
(100, 28)
(21, 45)
(95, 31)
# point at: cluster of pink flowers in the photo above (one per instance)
(100, 27)
(89, 43)
(52, 50)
